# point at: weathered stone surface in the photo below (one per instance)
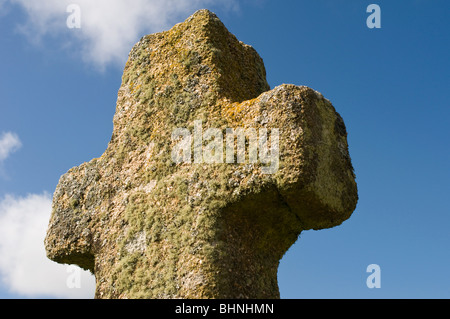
(149, 227)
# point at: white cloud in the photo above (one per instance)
(109, 28)
(24, 267)
(9, 143)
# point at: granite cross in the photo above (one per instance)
(165, 212)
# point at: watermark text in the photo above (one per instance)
(191, 147)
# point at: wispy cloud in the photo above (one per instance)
(24, 267)
(109, 28)
(9, 143)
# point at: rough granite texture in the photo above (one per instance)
(148, 227)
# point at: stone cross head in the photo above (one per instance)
(209, 176)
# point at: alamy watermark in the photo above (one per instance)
(73, 280)
(374, 19)
(74, 19)
(374, 279)
(191, 149)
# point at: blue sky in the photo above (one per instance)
(58, 89)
